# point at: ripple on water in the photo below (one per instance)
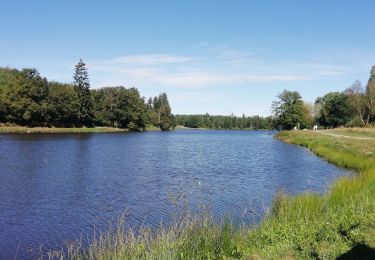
(55, 187)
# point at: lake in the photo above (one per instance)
(55, 188)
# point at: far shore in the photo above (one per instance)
(86, 130)
(58, 130)
(180, 127)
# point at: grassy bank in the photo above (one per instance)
(55, 130)
(340, 223)
(355, 132)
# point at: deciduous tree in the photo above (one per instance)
(27, 98)
(288, 110)
(357, 100)
(334, 109)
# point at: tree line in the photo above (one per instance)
(28, 99)
(355, 106)
(224, 122)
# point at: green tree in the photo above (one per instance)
(308, 115)
(62, 105)
(288, 110)
(120, 107)
(106, 106)
(163, 111)
(334, 109)
(27, 98)
(7, 76)
(370, 96)
(356, 99)
(3, 111)
(132, 110)
(224, 122)
(151, 115)
(82, 87)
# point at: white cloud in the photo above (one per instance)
(197, 79)
(213, 66)
(142, 60)
(194, 79)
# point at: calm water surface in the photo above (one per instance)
(56, 187)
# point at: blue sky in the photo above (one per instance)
(219, 57)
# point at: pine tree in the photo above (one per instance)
(82, 88)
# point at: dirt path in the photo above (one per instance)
(345, 136)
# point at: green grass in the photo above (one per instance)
(63, 130)
(308, 226)
(53, 130)
(312, 226)
(151, 128)
(193, 237)
(356, 132)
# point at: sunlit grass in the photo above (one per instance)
(193, 237)
(355, 131)
(55, 130)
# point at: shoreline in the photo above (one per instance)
(57, 130)
(179, 127)
(66, 130)
(88, 130)
(343, 216)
